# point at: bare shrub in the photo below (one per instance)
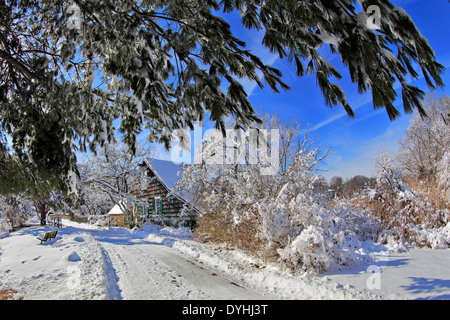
(9, 294)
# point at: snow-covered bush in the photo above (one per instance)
(321, 237)
(310, 251)
(281, 217)
(14, 211)
(239, 205)
(276, 226)
(412, 211)
(411, 198)
(277, 217)
(5, 222)
(356, 219)
(99, 220)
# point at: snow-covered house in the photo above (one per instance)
(160, 203)
(116, 216)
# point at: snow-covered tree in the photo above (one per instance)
(69, 69)
(114, 173)
(91, 201)
(14, 211)
(260, 213)
(356, 185)
(427, 139)
(238, 161)
(337, 185)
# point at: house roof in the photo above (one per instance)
(166, 171)
(115, 210)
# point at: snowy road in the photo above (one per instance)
(154, 271)
(114, 264)
(86, 262)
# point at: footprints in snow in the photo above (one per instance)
(34, 259)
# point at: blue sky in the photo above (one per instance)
(355, 142)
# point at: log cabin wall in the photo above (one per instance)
(163, 206)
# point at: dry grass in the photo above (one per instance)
(215, 226)
(219, 227)
(426, 208)
(429, 200)
(430, 191)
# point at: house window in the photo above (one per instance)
(157, 206)
(144, 211)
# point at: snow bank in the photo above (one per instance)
(181, 232)
(4, 235)
(71, 266)
(73, 256)
(270, 279)
(97, 277)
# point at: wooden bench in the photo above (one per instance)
(47, 236)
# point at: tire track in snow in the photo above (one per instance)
(135, 284)
(143, 276)
(216, 286)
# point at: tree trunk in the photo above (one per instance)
(42, 210)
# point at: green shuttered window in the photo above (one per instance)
(157, 205)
